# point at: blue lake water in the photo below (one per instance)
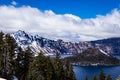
(117, 56)
(80, 71)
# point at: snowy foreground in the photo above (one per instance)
(2, 79)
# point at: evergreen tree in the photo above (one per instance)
(94, 77)
(58, 67)
(41, 68)
(86, 77)
(27, 59)
(50, 69)
(44, 68)
(8, 57)
(35, 72)
(108, 77)
(19, 65)
(101, 75)
(69, 71)
(1, 54)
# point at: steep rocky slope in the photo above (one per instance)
(110, 45)
(37, 43)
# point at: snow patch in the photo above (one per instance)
(103, 52)
(2, 79)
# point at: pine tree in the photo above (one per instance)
(41, 68)
(94, 77)
(27, 59)
(58, 67)
(49, 69)
(101, 75)
(1, 54)
(69, 71)
(8, 61)
(86, 77)
(108, 77)
(35, 72)
(19, 66)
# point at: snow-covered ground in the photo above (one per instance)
(2, 79)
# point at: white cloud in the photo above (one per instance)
(57, 26)
(14, 3)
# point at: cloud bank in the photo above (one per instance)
(59, 26)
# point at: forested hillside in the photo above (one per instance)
(22, 65)
(94, 57)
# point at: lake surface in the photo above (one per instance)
(117, 56)
(80, 71)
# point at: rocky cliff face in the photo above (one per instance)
(37, 43)
(110, 46)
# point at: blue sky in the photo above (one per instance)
(70, 20)
(81, 8)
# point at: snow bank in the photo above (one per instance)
(2, 79)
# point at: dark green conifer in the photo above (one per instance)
(19, 65)
(1, 54)
(86, 77)
(58, 67)
(108, 77)
(41, 68)
(101, 75)
(9, 50)
(27, 59)
(95, 77)
(69, 71)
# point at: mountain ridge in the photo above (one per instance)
(37, 43)
(109, 45)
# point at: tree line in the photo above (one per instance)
(101, 76)
(23, 65)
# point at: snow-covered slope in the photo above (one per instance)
(37, 43)
(50, 47)
(2, 79)
(110, 45)
(103, 52)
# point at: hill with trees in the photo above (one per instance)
(94, 57)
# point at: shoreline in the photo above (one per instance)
(87, 65)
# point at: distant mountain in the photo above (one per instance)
(49, 47)
(94, 57)
(37, 43)
(110, 46)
